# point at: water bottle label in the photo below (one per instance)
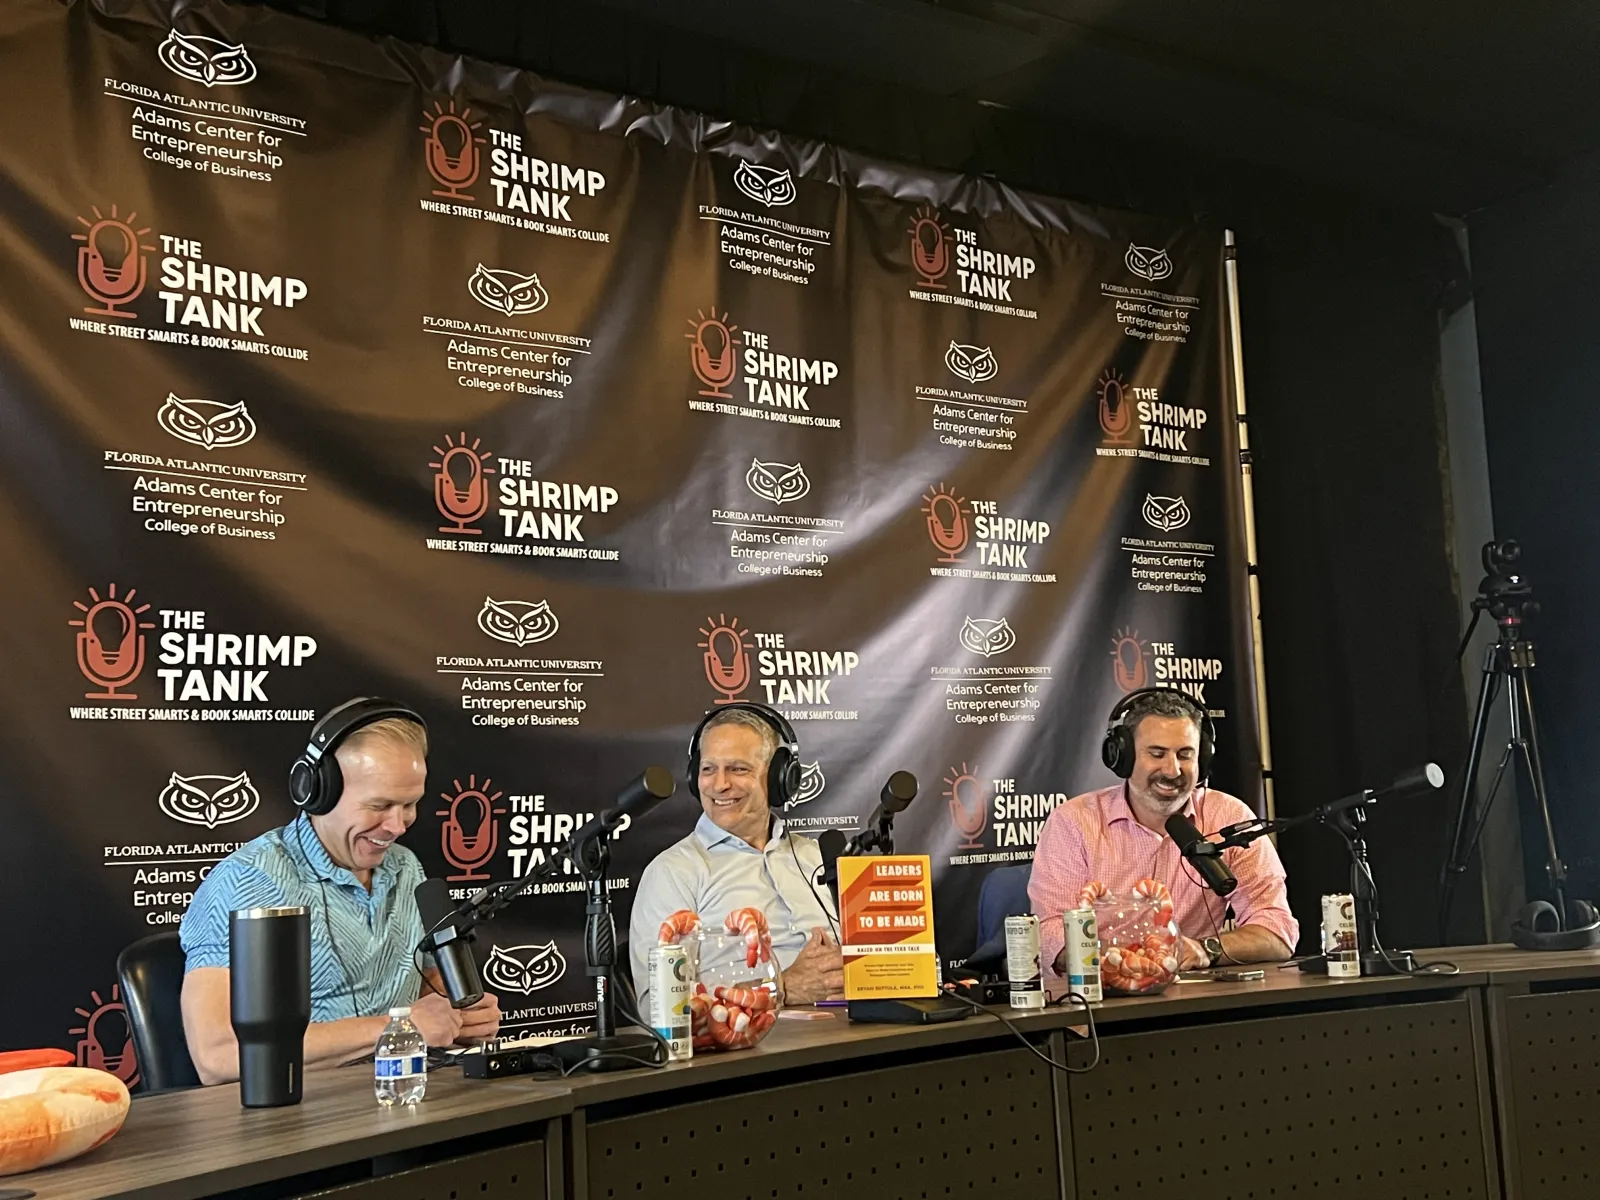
(400, 1066)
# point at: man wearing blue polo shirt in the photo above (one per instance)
(339, 859)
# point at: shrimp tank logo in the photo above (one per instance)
(206, 60)
(949, 522)
(1165, 513)
(508, 292)
(109, 644)
(930, 248)
(460, 484)
(1130, 660)
(1147, 262)
(519, 622)
(713, 353)
(812, 782)
(524, 969)
(450, 142)
(987, 636)
(209, 424)
(470, 833)
(112, 267)
(771, 186)
(106, 1043)
(968, 811)
(1116, 410)
(727, 657)
(209, 800)
(975, 364)
(777, 482)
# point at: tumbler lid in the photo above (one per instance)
(256, 914)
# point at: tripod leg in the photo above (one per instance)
(1522, 724)
(1455, 863)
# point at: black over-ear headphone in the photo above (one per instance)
(315, 780)
(1118, 751)
(783, 772)
(1541, 927)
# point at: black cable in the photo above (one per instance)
(833, 919)
(1441, 967)
(1072, 997)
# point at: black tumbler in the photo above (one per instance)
(269, 958)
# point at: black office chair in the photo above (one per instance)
(151, 973)
(1003, 893)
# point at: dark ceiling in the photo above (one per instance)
(1447, 106)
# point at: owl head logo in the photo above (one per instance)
(1147, 262)
(507, 292)
(812, 781)
(520, 622)
(206, 60)
(777, 482)
(525, 969)
(772, 186)
(975, 364)
(209, 800)
(209, 424)
(987, 637)
(1165, 513)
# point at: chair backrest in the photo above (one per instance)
(151, 973)
(1004, 893)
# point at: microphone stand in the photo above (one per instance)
(1346, 817)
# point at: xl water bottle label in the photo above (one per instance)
(399, 1067)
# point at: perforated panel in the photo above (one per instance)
(1553, 1059)
(508, 1173)
(1371, 1103)
(980, 1125)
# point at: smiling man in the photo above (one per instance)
(741, 855)
(358, 784)
(1118, 836)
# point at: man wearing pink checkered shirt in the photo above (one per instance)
(1118, 836)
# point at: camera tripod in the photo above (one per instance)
(1508, 597)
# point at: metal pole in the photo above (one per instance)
(1230, 270)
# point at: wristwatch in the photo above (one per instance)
(1213, 948)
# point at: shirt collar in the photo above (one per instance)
(711, 834)
(305, 838)
(1118, 809)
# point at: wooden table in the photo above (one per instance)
(1405, 1087)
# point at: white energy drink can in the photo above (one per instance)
(668, 977)
(1083, 954)
(1022, 962)
(1339, 944)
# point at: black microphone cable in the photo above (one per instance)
(1072, 997)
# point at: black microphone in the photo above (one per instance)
(1413, 779)
(832, 844)
(900, 791)
(653, 786)
(451, 948)
(1203, 856)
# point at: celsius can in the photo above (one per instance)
(1022, 962)
(1083, 954)
(670, 988)
(1339, 935)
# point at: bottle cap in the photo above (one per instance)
(400, 1012)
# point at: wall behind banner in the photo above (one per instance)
(335, 367)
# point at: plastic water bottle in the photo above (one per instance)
(400, 1063)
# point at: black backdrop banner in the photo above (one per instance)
(334, 366)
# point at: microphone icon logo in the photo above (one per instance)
(713, 353)
(947, 522)
(470, 833)
(930, 247)
(107, 1041)
(1116, 414)
(111, 262)
(1130, 662)
(450, 148)
(968, 813)
(460, 489)
(110, 646)
(727, 658)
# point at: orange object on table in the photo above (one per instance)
(27, 1060)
